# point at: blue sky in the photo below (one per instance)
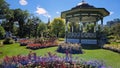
(53, 8)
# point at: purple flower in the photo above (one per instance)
(102, 67)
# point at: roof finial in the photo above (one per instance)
(83, 2)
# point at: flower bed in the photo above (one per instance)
(48, 61)
(69, 47)
(38, 43)
(24, 42)
(35, 46)
(112, 47)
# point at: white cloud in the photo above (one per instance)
(111, 13)
(42, 11)
(57, 12)
(23, 2)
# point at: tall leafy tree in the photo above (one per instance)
(116, 30)
(42, 27)
(21, 16)
(10, 20)
(32, 26)
(4, 6)
(58, 26)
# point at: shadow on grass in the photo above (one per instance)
(90, 47)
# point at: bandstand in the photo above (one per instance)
(78, 18)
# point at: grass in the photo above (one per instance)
(61, 39)
(109, 57)
(1, 42)
(115, 43)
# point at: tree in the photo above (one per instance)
(10, 20)
(113, 29)
(58, 27)
(2, 32)
(4, 6)
(90, 28)
(21, 16)
(116, 30)
(31, 27)
(42, 27)
(107, 30)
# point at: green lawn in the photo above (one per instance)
(109, 57)
(61, 39)
(1, 42)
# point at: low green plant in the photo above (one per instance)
(8, 41)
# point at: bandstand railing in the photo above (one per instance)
(79, 35)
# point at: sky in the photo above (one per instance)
(45, 9)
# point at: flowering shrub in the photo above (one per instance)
(24, 42)
(48, 61)
(38, 43)
(113, 47)
(69, 47)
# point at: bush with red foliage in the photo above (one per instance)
(43, 44)
(24, 42)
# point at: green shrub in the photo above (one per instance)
(8, 41)
(2, 32)
(111, 37)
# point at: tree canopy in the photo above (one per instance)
(58, 27)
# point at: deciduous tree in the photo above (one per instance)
(58, 27)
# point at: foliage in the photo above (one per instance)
(112, 29)
(72, 25)
(26, 22)
(20, 16)
(116, 30)
(90, 28)
(70, 48)
(4, 6)
(107, 30)
(61, 39)
(110, 58)
(8, 41)
(9, 20)
(42, 27)
(24, 42)
(113, 47)
(38, 43)
(58, 27)
(48, 61)
(2, 32)
(32, 26)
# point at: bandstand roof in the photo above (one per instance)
(84, 9)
